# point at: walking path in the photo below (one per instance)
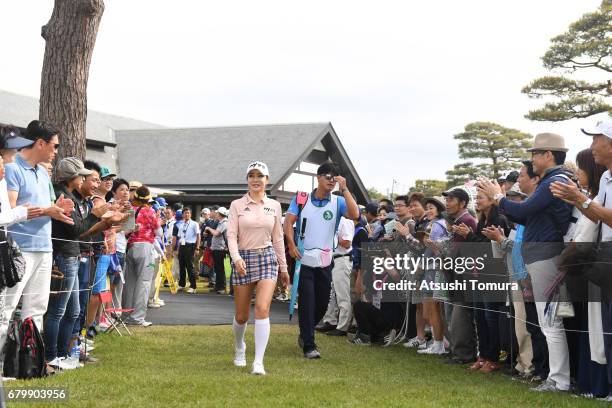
(207, 309)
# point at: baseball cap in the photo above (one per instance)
(257, 165)
(223, 211)
(161, 201)
(458, 193)
(105, 172)
(603, 127)
(69, 168)
(135, 184)
(14, 141)
(510, 175)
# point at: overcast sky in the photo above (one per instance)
(397, 79)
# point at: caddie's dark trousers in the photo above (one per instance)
(313, 296)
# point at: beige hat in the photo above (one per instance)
(549, 141)
(135, 184)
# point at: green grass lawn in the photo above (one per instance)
(192, 366)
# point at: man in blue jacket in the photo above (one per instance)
(546, 219)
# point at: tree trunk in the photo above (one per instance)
(70, 36)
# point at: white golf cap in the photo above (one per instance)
(261, 166)
(223, 211)
(603, 127)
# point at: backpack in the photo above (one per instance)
(24, 351)
(12, 264)
(565, 234)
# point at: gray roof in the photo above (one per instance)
(217, 156)
(19, 110)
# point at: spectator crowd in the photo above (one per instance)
(92, 234)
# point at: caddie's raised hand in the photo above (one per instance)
(341, 182)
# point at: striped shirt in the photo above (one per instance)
(256, 225)
(605, 194)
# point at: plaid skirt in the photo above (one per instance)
(260, 264)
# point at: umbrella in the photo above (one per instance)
(298, 266)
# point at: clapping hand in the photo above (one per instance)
(493, 233)
(488, 187)
(114, 217)
(57, 213)
(101, 210)
(66, 204)
(33, 212)
(402, 229)
(428, 242)
(462, 230)
(570, 193)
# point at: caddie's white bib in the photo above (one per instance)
(320, 231)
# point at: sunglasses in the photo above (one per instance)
(536, 152)
(328, 177)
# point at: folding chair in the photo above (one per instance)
(165, 269)
(113, 314)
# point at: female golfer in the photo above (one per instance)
(255, 241)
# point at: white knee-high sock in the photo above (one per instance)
(239, 330)
(262, 334)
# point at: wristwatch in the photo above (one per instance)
(586, 204)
